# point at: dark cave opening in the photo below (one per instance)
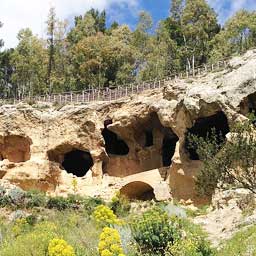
(149, 139)
(205, 126)
(252, 103)
(138, 190)
(114, 145)
(77, 162)
(168, 148)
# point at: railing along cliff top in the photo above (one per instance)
(115, 93)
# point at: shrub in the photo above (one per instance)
(17, 196)
(120, 205)
(59, 247)
(192, 242)
(231, 163)
(154, 230)
(90, 203)
(20, 226)
(104, 216)
(59, 203)
(110, 243)
(35, 198)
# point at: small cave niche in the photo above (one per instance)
(248, 105)
(15, 148)
(75, 161)
(113, 143)
(168, 147)
(204, 126)
(138, 190)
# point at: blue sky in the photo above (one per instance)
(18, 14)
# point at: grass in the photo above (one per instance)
(242, 244)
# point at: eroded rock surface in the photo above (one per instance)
(139, 139)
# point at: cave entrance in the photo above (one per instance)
(77, 162)
(113, 143)
(168, 147)
(248, 105)
(15, 148)
(205, 126)
(252, 103)
(149, 139)
(138, 190)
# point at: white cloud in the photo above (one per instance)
(226, 8)
(17, 14)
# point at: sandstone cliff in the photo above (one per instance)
(136, 145)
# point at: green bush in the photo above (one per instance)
(227, 164)
(154, 230)
(120, 205)
(192, 243)
(35, 198)
(59, 203)
(90, 203)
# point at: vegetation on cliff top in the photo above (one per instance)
(90, 54)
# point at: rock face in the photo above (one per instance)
(137, 145)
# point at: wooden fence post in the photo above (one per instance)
(71, 97)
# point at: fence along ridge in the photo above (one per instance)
(118, 92)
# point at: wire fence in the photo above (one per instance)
(118, 92)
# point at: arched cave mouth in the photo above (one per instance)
(204, 126)
(15, 148)
(113, 143)
(77, 162)
(168, 147)
(138, 190)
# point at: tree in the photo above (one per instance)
(199, 25)
(141, 39)
(229, 163)
(84, 27)
(100, 20)
(6, 70)
(176, 10)
(103, 60)
(29, 61)
(51, 24)
(237, 36)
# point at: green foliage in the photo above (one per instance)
(120, 205)
(237, 36)
(35, 198)
(34, 242)
(59, 203)
(231, 163)
(154, 230)
(243, 243)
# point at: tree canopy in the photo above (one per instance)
(93, 54)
